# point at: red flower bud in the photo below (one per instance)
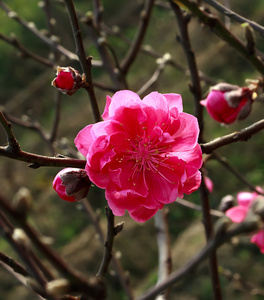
(68, 80)
(72, 184)
(227, 103)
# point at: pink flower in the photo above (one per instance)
(71, 184)
(226, 103)
(68, 80)
(144, 154)
(238, 213)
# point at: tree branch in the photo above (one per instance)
(108, 243)
(85, 62)
(223, 234)
(134, 49)
(213, 23)
(242, 135)
(234, 16)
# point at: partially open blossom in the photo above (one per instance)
(68, 80)
(72, 184)
(144, 153)
(227, 103)
(238, 213)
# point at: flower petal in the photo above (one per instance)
(237, 214)
(142, 214)
(119, 99)
(258, 239)
(174, 101)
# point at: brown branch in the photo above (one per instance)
(154, 78)
(13, 145)
(183, 20)
(224, 233)
(26, 53)
(108, 243)
(242, 136)
(12, 14)
(13, 151)
(214, 23)
(37, 161)
(121, 274)
(185, 203)
(57, 116)
(148, 50)
(85, 62)
(227, 165)
(234, 16)
(14, 265)
(163, 241)
(134, 49)
(195, 87)
(91, 286)
(34, 126)
(111, 64)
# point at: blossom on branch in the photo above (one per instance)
(238, 214)
(227, 103)
(68, 80)
(72, 184)
(144, 153)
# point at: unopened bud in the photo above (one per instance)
(227, 103)
(58, 287)
(20, 237)
(23, 200)
(68, 80)
(226, 203)
(72, 184)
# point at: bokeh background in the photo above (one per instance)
(26, 93)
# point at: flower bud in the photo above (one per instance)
(58, 287)
(23, 201)
(72, 184)
(68, 80)
(227, 103)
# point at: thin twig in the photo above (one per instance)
(209, 232)
(17, 267)
(37, 161)
(13, 151)
(231, 169)
(213, 212)
(223, 235)
(134, 49)
(34, 126)
(195, 86)
(214, 23)
(55, 126)
(25, 52)
(108, 243)
(111, 64)
(85, 62)
(242, 136)
(12, 14)
(154, 78)
(92, 286)
(148, 50)
(13, 145)
(163, 240)
(234, 16)
(121, 274)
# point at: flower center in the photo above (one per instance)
(148, 155)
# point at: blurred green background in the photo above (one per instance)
(26, 93)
